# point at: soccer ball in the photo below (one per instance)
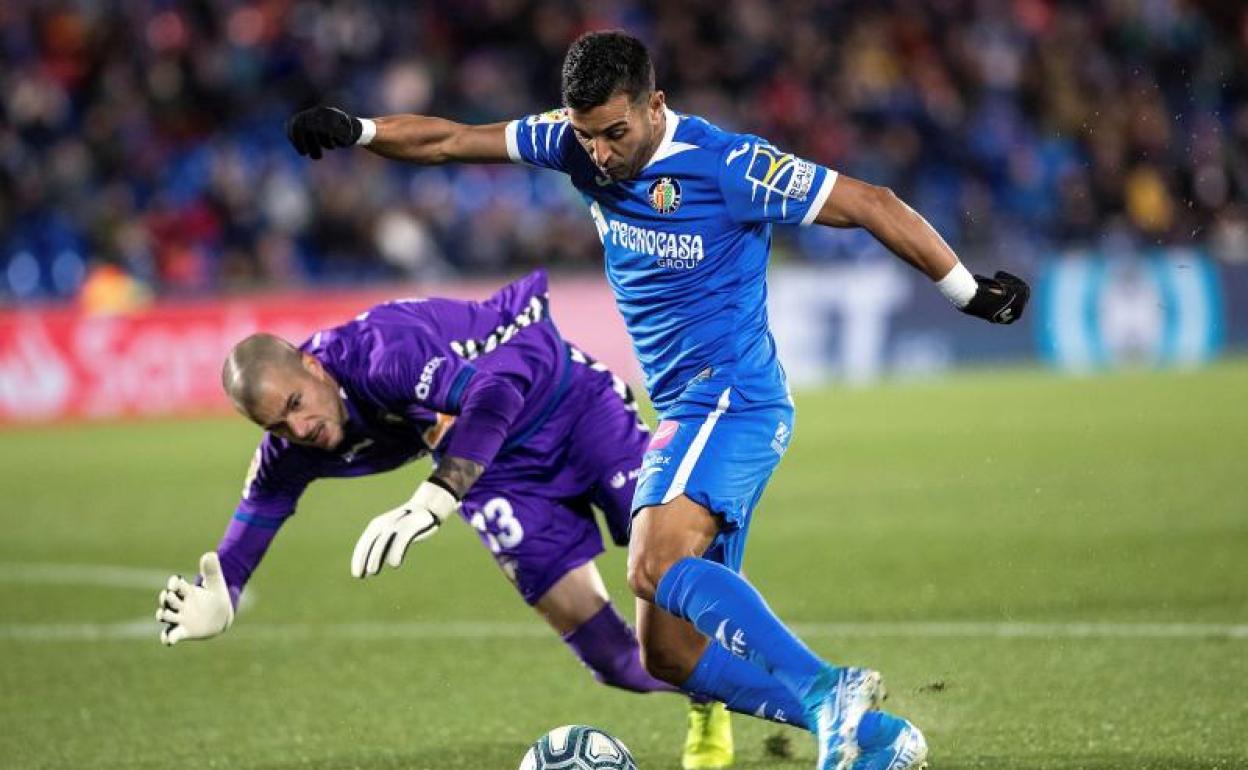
(577, 747)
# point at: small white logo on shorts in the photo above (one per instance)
(647, 473)
(620, 478)
(780, 441)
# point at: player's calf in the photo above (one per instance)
(609, 649)
(670, 647)
(670, 661)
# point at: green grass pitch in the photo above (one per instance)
(1051, 573)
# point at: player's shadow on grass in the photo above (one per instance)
(469, 756)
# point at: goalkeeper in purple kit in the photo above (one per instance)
(684, 210)
(528, 435)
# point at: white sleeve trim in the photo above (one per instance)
(513, 141)
(821, 197)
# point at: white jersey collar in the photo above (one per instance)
(668, 147)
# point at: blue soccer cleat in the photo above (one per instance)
(848, 693)
(896, 745)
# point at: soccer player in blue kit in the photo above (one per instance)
(684, 210)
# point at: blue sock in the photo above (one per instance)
(743, 688)
(723, 606)
(878, 729)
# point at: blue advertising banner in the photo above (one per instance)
(1164, 309)
(857, 323)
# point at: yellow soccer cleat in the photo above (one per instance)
(708, 746)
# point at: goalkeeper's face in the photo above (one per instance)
(300, 404)
(621, 134)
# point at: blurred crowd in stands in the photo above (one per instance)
(143, 140)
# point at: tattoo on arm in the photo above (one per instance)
(458, 474)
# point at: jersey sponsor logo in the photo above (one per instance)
(780, 173)
(800, 180)
(675, 250)
(663, 435)
(426, 377)
(664, 194)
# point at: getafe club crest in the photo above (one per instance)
(665, 195)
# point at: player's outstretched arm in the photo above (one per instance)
(853, 203)
(412, 138)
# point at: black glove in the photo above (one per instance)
(322, 128)
(1000, 299)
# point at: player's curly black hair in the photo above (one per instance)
(601, 64)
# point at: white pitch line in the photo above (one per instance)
(95, 575)
(149, 579)
(105, 575)
(486, 630)
(1027, 630)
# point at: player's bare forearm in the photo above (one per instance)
(431, 141)
(901, 229)
(458, 474)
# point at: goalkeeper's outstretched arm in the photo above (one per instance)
(412, 138)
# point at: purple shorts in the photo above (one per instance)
(533, 508)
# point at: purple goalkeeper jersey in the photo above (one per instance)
(499, 366)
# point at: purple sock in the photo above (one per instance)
(608, 647)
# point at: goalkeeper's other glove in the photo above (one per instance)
(1000, 299)
(322, 128)
(388, 535)
(195, 612)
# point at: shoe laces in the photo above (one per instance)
(699, 718)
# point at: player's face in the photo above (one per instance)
(621, 134)
(301, 405)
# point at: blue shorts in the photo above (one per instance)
(721, 456)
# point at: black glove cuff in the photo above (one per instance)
(437, 482)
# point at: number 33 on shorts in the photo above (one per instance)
(498, 525)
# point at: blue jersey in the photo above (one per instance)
(686, 245)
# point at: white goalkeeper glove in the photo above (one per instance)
(387, 536)
(195, 612)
